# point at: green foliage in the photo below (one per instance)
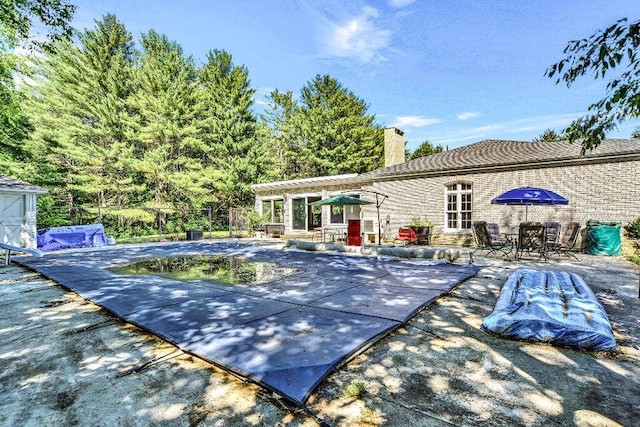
(48, 214)
(171, 156)
(17, 19)
(14, 124)
(632, 229)
(118, 133)
(425, 149)
(550, 135)
(612, 50)
(353, 390)
(327, 133)
(80, 110)
(254, 219)
(417, 221)
(233, 129)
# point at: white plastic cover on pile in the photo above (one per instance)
(554, 307)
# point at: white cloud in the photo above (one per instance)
(360, 38)
(524, 129)
(400, 3)
(414, 121)
(468, 115)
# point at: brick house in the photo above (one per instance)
(455, 187)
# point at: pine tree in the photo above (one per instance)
(233, 129)
(14, 124)
(169, 121)
(281, 134)
(331, 132)
(80, 111)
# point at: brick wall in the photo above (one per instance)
(604, 191)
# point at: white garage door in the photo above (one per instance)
(13, 222)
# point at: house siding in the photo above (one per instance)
(596, 191)
(310, 191)
(600, 185)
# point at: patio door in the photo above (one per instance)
(305, 217)
(314, 214)
(299, 213)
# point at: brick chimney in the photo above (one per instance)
(393, 147)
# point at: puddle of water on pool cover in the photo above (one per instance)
(226, 270)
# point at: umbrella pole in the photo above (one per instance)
(379, 225)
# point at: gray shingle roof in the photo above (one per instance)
(492, 154)
(12, 185)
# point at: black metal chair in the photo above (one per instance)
(494, 232)
(532, 238)
(486, 242)
(567, 244)
(553, 233)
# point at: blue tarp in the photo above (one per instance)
(76, 236)
(554, 307)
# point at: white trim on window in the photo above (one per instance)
(458, 198)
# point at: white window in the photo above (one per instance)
(458, 207)
(273, 210)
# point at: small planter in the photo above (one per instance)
(194, 235)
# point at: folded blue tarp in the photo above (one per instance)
(77, 236)
(554, 307)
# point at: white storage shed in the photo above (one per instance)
(18, 212)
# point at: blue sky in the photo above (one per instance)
(453, 72)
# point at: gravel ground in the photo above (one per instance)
(64, 361)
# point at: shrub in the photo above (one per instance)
(633, 229)
(417, 221)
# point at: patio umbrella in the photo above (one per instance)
(529, 196)
(340, 200)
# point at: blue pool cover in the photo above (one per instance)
(554, 307)
(286, 335)
(75, 236)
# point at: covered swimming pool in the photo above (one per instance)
(286, 334)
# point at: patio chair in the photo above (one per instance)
(494, 232)
(553, 233)
(486, 242)
(532, 238)
(407, 236)
(567, 244)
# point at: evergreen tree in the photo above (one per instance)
(173, 158)
(336, 135)
(233, 129)
(424, 149)
(282, 137)
(14, 125)
(81, 113)
(16, 19)
(550, 135)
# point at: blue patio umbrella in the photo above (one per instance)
(528, 196)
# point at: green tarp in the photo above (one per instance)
(603, 237)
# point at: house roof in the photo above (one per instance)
(307, 182)
(11, 185)
(484, 156)
(492, 155)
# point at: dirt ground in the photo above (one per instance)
(64, 361)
